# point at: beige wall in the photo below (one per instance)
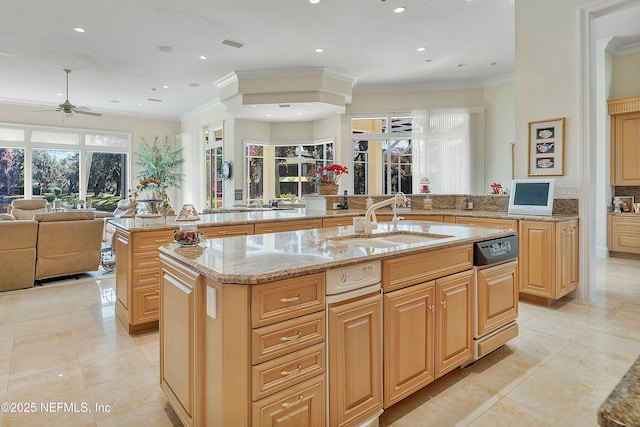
(626, 76)
(500, 123)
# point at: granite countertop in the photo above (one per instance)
(622, 407)
(266, 257)
(250, 217)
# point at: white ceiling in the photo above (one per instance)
(117, 58)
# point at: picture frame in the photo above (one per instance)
(626, 204)
(546, 147)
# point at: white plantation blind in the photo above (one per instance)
(11, 134)
(442, 150)
(48, 137)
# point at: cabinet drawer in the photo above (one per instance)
(149, 276)
(148, 241)
(281, 338)
(510, 224)
(146, 304)
(409, 270)
(300, 405)
(277, 227)
(283, 372)
(342, 221)
(626, 242)
(146, 260)
(227, 231)
(286, 299)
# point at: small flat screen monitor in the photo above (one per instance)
(532, 196)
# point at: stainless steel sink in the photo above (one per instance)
(392, 240)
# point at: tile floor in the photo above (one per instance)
(60, 344)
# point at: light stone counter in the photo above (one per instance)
(268, 257)
(622, 407)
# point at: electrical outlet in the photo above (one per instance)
(336, 206)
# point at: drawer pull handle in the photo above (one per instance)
(292, 299)
(289, 405)
(291, 338)
(161, 240)
(293, 371)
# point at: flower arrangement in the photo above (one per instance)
(496, 188)
(158, 193)
(327, 175)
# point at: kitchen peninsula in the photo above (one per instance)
(548, 258)
(251, 335)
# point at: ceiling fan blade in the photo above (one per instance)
(88, 113)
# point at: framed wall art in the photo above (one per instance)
(546, 147)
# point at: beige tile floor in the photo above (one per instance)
(60, 343)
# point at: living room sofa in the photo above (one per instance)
(28, 208)
(50, 245)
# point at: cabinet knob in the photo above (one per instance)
(432, 307)
(443, 304)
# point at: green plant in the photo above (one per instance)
(56, 191)
(160, 161)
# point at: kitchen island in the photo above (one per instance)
(250, 334)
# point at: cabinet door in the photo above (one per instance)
(537, 254)
(454, 321)
(146, 304)
(341, 221)
(408, 341)
(355, 360)
(123, 264)
(626, 149)
(277, 227)
(497, 296)
(177, 343)
(509, 224)
(567, 259)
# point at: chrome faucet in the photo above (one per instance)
(370, 220)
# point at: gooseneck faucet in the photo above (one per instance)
(370, 220)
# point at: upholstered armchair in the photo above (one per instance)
(27, 208)
(68, 243)
(17, 254)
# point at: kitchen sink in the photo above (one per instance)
(392, 240)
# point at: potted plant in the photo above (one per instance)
(326, 178)
(160, 164)
(57, 191)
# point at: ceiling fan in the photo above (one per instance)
(68, 108)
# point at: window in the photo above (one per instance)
(290, 165)
(213, 162)
(82, 164)
(392, 154)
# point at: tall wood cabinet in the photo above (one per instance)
(625, 141)
(548, 253)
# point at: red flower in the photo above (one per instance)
(496, 187)
(327, 175)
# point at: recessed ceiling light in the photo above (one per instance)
(79, 30)
(194, 84)
(268, 115)
(203, 57)
(165, 86)
(314, 1)
(165, 49)
(319, 50)
(299, 114)
(399, 9)
(140, 105)
(421, 49)
(59, 94)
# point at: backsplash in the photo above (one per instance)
(628, 191)
(489, 202)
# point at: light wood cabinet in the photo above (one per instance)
(409, 217)
(625, 141)
(509, 224)
(302, 406)
(548, 255)
(355, 360)
(280, 226)
(454, 321)
(409, 337)
(138, 272)
(177, 339)
(624, 234)
(340, 221)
